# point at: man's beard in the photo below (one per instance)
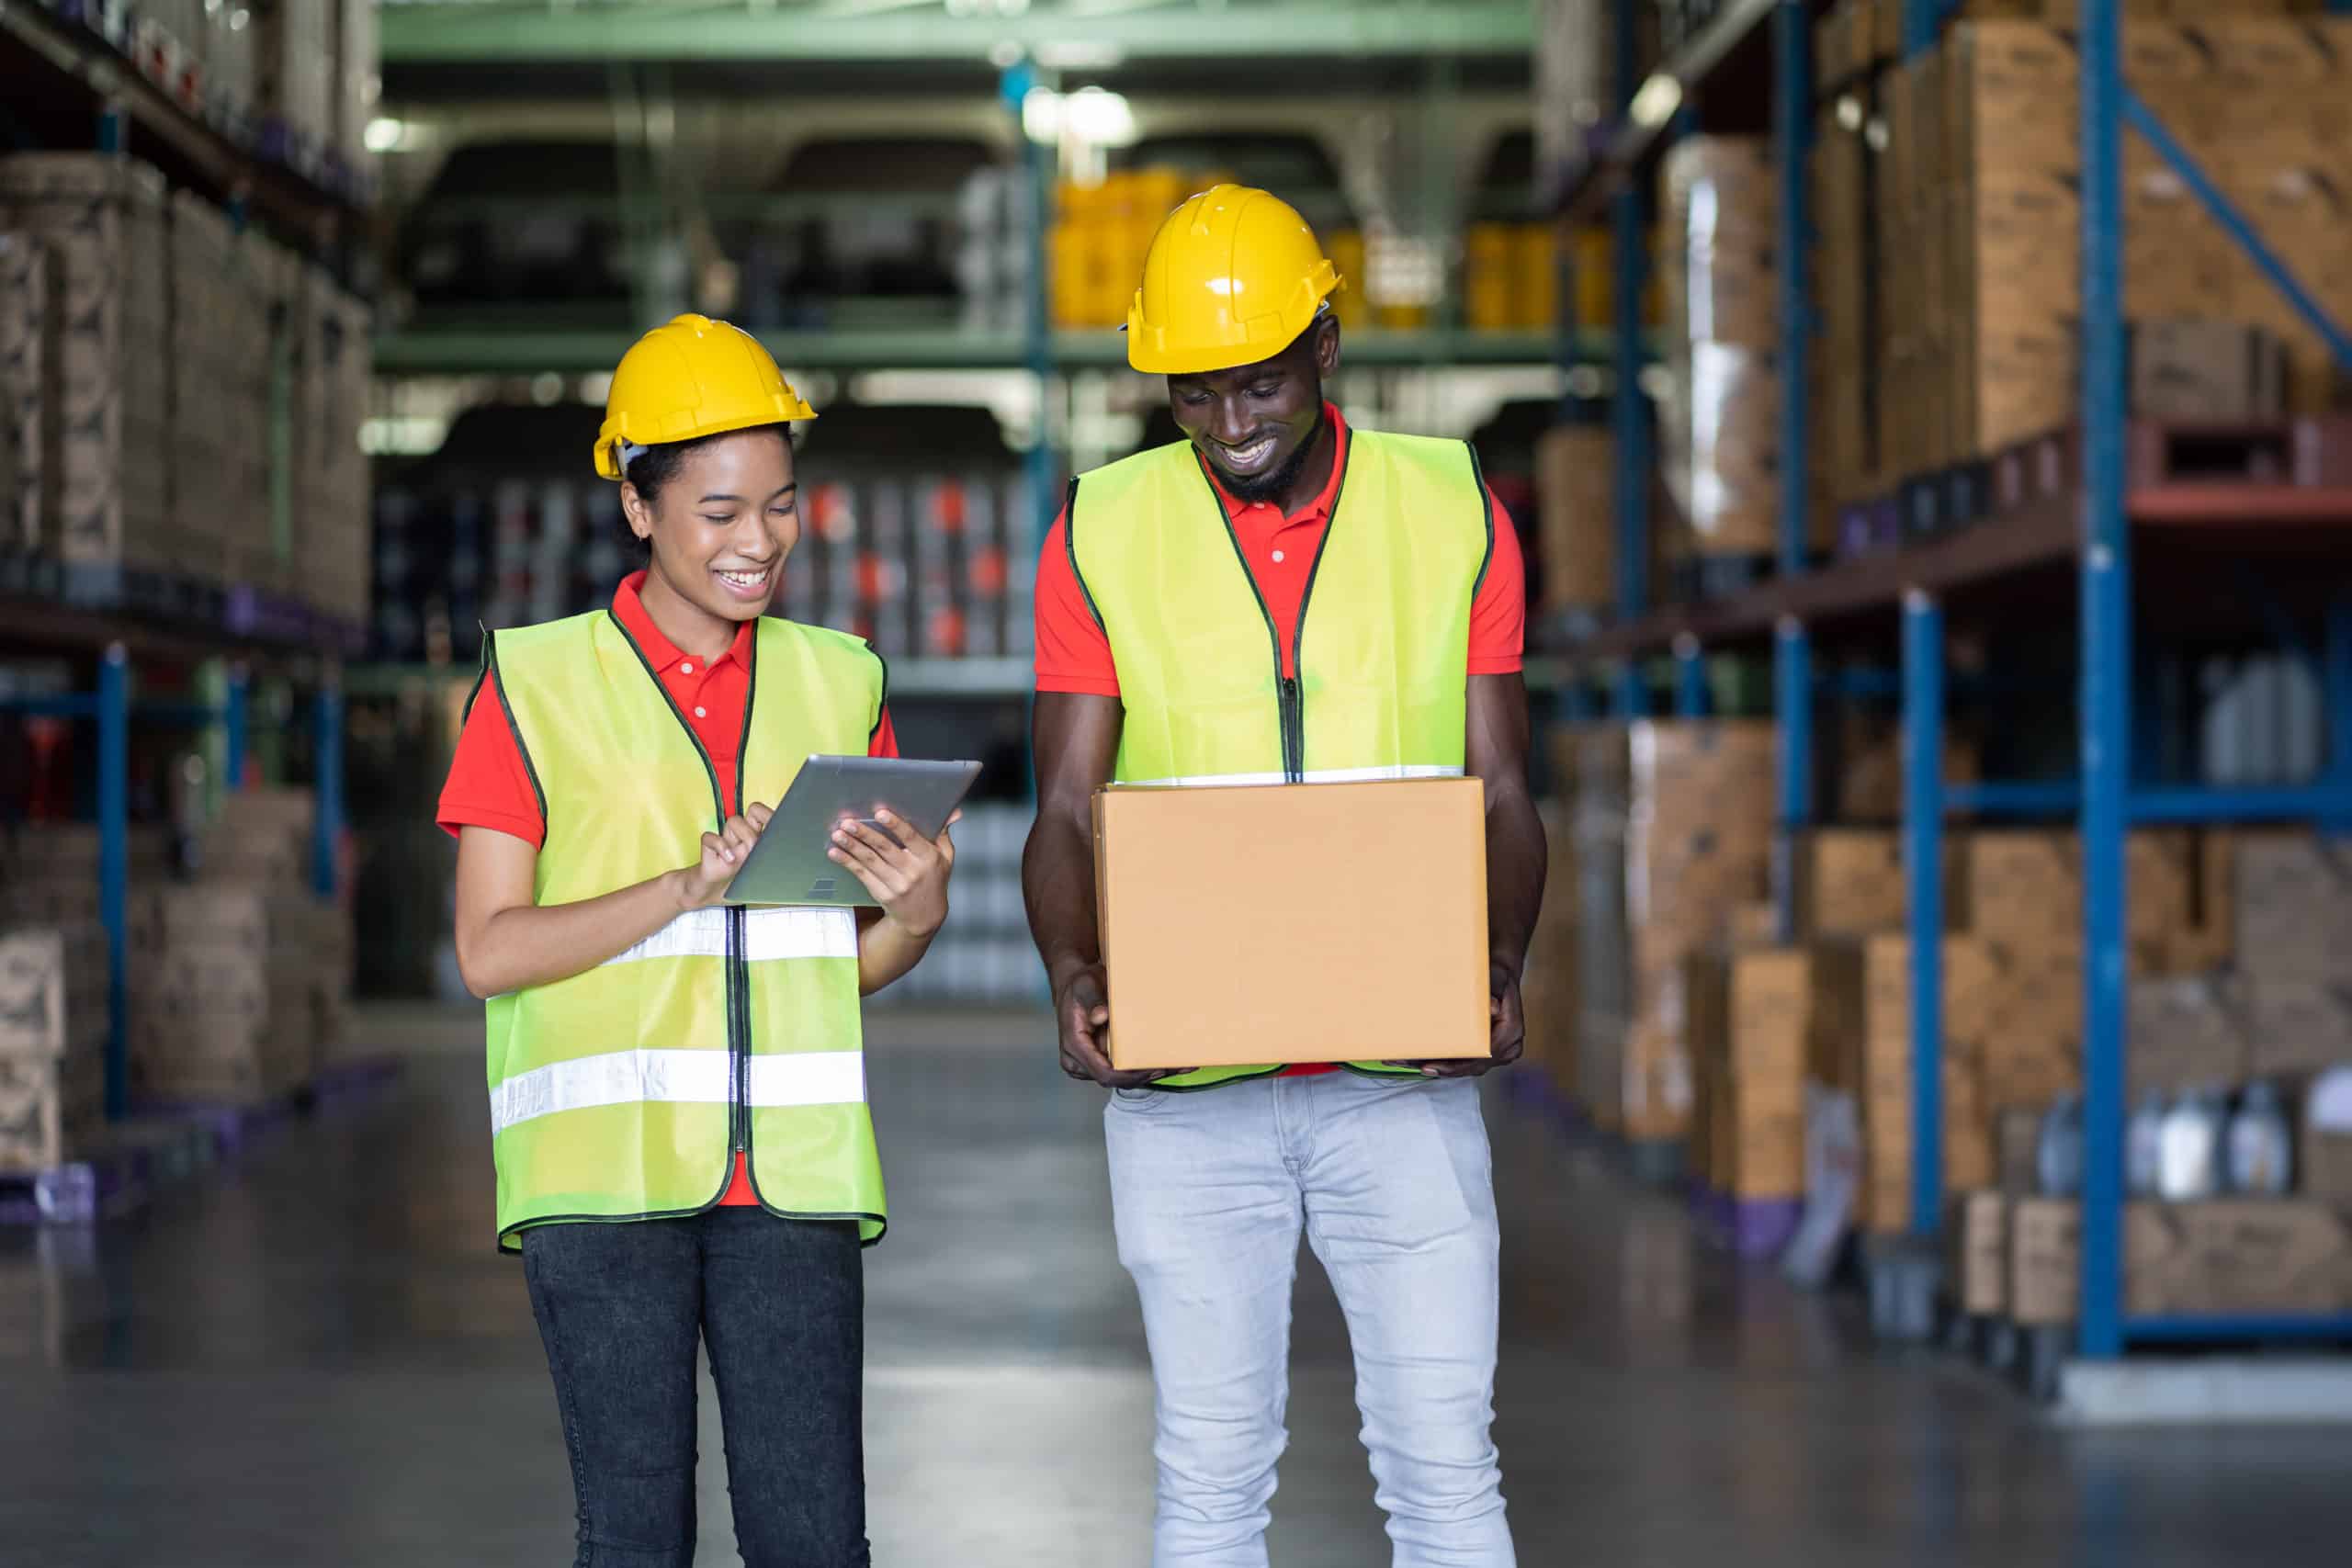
(1276, 481)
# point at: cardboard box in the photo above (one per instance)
(2186, 1033)
(46, 1105)
(2293, 903)
(53, 989)
(2045, 1266)
(1197, 886)
(2295, 1028)
(1980, 1267)
(2220, 371)
(1850, 882)
(2233, 1255)
(1574, 474)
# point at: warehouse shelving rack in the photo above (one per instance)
(110, 708)
(2089, 527)
(64, 78)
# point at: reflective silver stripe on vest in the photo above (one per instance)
(1314, 775)
(690, 1078)
(767, 935)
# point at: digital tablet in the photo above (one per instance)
(789, 864)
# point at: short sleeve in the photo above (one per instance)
(488, 786)
(1498, 613)
(1073, 653)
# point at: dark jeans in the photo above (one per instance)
(781, 1303)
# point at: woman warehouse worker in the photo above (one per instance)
(677, 1095)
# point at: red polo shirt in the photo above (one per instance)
(1073, 654)
(489, 787)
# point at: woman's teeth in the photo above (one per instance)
(747, 578)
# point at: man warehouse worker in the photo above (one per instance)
(1175, 645)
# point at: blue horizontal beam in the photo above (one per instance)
(2221, 1329)
(2192, 803)
(72, 706)
(185, 716)
(2024, 797)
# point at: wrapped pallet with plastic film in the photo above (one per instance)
(1720, 421)
(1672, 826)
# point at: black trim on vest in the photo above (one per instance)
(1289, 720)
(1307, 596)
(883, 705)
(1070, 548)
(498, 684)
(1485, 505)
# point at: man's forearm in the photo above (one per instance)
(1057, 883)
(1516, 857)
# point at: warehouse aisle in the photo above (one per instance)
(320, 1362)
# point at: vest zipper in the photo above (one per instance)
(1290, 703)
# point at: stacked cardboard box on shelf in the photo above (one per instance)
(1720, 426)
(330, 556)
(30, 336)
(1672, 833)
(1749, 1010)
(1950, 281)
(237, 977)
(103, 218)
(220, 391)
(1575, 476)
(53, 1040)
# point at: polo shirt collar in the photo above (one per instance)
(628, 609)
(1321, 506)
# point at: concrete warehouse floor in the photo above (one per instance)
(316, 1358)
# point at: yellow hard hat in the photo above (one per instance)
(694, 376)
(1232, 277)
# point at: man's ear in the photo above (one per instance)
(1327, 346)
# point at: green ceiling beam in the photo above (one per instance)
(527, 352)
(456, 33)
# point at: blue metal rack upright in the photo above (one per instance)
(1791, 650)
(1630, 420)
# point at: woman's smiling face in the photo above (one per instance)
(721, 526)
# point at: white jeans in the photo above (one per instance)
(1391, 1182)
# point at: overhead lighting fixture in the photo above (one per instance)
(1654, 104)
(1090, 115)
(388, 135)
(1080, 54)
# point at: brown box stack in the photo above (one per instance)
(52, 1042)
(1859, 1042)
(104, 217)
(1749, 1014)
(2239, 1255)
(2292, 909)
(1673, 831)
(1720, 427)
(330, 483)
(1979, 1233)
(1574, 473)
(1848, 883)
(30, 340)
(236, 978)
(1846, 416)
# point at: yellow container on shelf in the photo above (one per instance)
(1076, 273)
(1595, 298)
(1535, 277)
(1488, 277)
(1345, 247)
(1402, 318)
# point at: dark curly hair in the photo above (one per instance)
(651, 468)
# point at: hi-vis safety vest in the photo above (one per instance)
(1383, 639)
(624, 1093)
